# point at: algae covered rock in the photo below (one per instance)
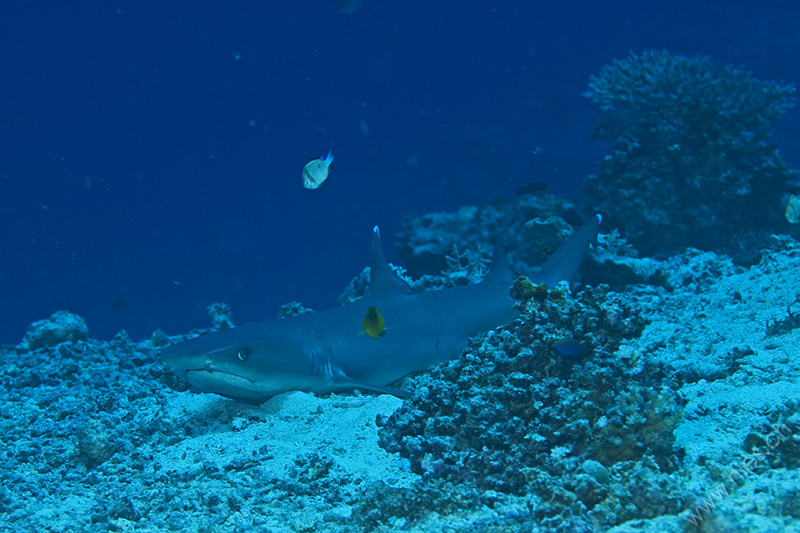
(530, 227)
(62, 326)
(542, 237)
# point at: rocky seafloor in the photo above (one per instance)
(673, 406)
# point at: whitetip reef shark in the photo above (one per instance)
(344, 348)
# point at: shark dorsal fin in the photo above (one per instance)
(383, 281)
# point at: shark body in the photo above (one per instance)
(323, 352)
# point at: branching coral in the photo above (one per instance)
(691, 163)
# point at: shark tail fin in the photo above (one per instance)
(563, 265)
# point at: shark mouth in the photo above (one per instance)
(219, 382)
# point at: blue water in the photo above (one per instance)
(151, 151)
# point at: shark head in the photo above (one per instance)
(254, 362)
(246, 363)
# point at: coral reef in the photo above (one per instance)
(62, 326)
(293, 309)
(530, 227)
(623, 404)
(513, 415)
(691, 163)
(220, 315)
(675, 385)
(424, 241)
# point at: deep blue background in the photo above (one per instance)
(153, 150)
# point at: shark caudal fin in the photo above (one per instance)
(563, 265)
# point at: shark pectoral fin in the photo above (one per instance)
(339, 380)
(356, 384)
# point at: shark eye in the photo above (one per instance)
(243, 354)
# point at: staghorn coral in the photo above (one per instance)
(691, 163)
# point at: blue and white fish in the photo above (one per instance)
(316, 171)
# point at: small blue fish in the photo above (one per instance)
(569, 348)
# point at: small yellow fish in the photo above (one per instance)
(373, 323)
(316, 171)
